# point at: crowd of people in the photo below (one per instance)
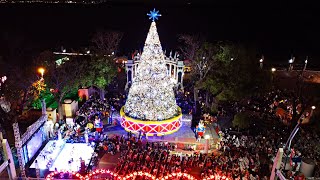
(153, 157)
(246, 155)
(275, 107)
(240, 156)
(92, 108)
(184, 102)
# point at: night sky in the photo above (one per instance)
(276, 29)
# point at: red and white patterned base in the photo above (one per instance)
(151, 128)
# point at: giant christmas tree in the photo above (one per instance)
(151, 96)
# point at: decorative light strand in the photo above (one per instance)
(151, 95)
(130, 176)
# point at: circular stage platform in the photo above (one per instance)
(151, 128)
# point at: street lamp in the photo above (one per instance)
(272, 72)
(290, 63)
(261, 63)
(41, 71)
(3, 79)
(305, 64)
(286, 148)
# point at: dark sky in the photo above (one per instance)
(276, 29)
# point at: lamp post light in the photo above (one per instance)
(3, 79)
(261, 63)
(287, 148)
(291, 64)
(305, 64)
(41, 71)
(272, 74)
(290, 61)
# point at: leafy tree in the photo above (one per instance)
(238, 74)
(20, 91)
(17, 93)
(100, 73)
(202, 57)
(224, 70)
(48, 96)
(102, 68)
(74, 72)
(64, 78)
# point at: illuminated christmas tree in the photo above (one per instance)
(151, 95)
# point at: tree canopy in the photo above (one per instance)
(225, 70)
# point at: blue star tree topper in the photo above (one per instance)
(154, 15)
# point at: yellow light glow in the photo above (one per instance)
(41, 71)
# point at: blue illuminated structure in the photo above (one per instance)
(154, 15)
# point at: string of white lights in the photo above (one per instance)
(151, 95)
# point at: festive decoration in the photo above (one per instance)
(39, 86)
(200, 129)
(154, 15)
(73, 175)
(151, 128)
(98, 124)
(151, 96)
(18, 145)
(133, 175)
(21, 140)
